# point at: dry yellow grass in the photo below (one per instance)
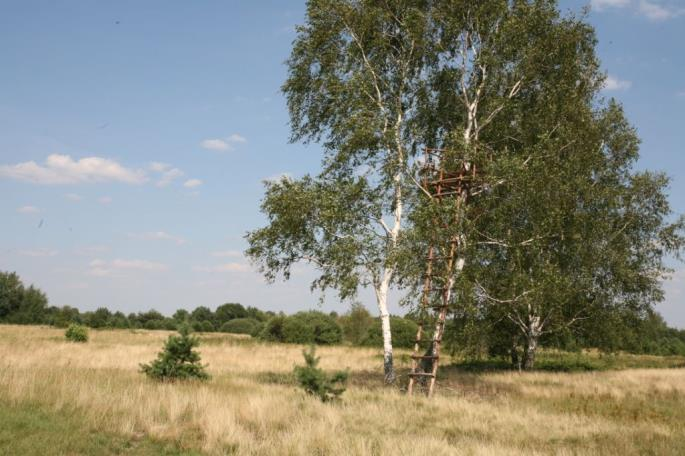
(250, 406)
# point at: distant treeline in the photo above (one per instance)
(648, 334)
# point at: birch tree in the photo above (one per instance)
(354, 73)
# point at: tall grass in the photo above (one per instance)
(251, 406)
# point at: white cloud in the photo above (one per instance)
(680, 94)
(228, 254)
(227, 267)
(236, 138)
(651, 9)
(73, 197)
(28, 210)
(168, 173)
(601, 5)
(103, 268)
(656, 12)
(613, 83)
(215, 144)
(223, 144)
(192, 183)
(105, 200)
(62, 169)
(38, 253)
(157, 236)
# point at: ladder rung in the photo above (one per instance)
(425, 356)
(421, 374)
(427, 340)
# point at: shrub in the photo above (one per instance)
(311, 327)
(273, 329)
(241, 326)
(178, 360)
(316, 382)
(296, 330)
(356, 324)
(76, 333)
(403, 333)
(325, 329)
(207, 326)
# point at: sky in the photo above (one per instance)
(135, 138)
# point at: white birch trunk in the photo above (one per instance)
(533, 333)
(382, 301)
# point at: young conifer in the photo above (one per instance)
(178, 360)
(316, 382)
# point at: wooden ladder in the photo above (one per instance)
(425, 360)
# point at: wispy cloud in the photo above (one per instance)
(102, 268)
(657, 12)
(62, 169)
(223, 268)
(39, 253)
(601, 5)
(157, 236)
(104, 200)
(73, 197)
(223, 144)
(28, 210)
(215, 144)
(192, 183)
(653, 10)
(613, 83)
(167, 173)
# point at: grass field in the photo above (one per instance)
(72, 399)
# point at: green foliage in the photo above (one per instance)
(76, 333)
(242, 326)
(312, 327)
(403, 333)
(273, 329)
(178, 360)
(356, 324)
(316, 382)
(19, 304)
(63, 316)
(229, 311)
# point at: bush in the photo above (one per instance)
(178, 360)
(316, 382)
(76, 333)
(356, 324)
(403, 333)
(311, 327)
(241, 326)
(296, 330)
(325, 329)
(273, 329)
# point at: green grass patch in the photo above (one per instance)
(30, 430)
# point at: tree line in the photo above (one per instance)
(646, 334)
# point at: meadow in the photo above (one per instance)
(64, 398)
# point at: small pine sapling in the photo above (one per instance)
(316, 382)
(178, 360)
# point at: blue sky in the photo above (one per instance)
(134, 137)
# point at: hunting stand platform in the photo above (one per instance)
(446, 182)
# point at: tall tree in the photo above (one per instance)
(354, 75)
